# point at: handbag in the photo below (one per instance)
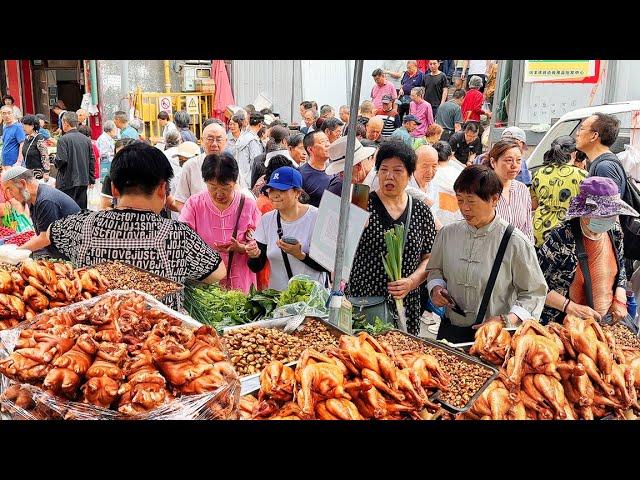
(379, 306)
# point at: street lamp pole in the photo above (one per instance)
(345, 201)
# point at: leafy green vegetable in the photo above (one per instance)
(261, 304)
(394, 239)
(299, 290)
(211, 305)
(379, 326)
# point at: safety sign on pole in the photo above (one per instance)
(164, 104)
(193, 106)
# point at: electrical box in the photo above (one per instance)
(191, 73)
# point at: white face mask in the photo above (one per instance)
(601, 225)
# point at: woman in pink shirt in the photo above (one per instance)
(422, 110)
(219, 211)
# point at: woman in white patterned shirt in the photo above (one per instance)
(514, 205)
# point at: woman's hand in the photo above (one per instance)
(582, 311)
(294, 250)
(233, 245)
(618, 310)
(437, 298)
(252, 249)
(400, 288)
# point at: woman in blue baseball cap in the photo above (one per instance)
(283, 236)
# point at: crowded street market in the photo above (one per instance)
(429, 240)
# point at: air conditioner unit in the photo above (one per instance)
(191, 73)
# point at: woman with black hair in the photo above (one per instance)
(34, 151)
(224, 218)
(553, 186)
(9, 100)
(465, 255)
(390, 205)
(296, 148)
(265, 205)
(133, 231)
(283, 236)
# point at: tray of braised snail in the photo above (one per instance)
(466, 376)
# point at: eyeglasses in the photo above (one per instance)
(213, 139)
(512, 161)
(582, 129)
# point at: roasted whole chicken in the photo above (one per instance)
(492, 342)
(571, 371)
(277, 381)
(361, 379)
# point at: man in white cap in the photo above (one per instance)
(177, 157)
(46, 204)
(363, 163)
(519, 135)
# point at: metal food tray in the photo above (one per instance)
(179, 286)
(251, 383)
(465, 357)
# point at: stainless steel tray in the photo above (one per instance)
(465, 357)
(251, 383)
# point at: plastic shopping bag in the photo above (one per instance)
(93, 197)
(16, 221)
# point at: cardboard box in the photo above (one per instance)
(205, 85)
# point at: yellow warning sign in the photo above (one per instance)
(193, 105)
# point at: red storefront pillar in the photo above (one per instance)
(13, 81)
(27, 87)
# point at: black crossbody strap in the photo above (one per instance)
(406, 227)
(235, 233)
(285, 257)
(582, 259)
(497, 263)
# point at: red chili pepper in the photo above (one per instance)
(21, 238)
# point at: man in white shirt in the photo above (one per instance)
(475, 67)
(166, 124)
(214, 140)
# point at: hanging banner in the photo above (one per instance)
(561, 71)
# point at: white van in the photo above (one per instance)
(569, 123)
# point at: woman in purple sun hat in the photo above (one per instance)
(594, 287)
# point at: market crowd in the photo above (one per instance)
(484, 238)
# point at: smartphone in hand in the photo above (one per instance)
(452, 303)
(360, 196)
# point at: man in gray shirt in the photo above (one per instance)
(449, 115)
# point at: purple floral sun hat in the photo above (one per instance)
(599, 198)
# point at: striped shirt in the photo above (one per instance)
(389, 125)
(517, 211)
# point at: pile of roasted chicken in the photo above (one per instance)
(39, 285)
(573, 370)
(118, 354)
(361, 379)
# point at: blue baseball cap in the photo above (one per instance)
(411, 118)
(285, 178)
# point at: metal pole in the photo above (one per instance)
(345, 200)
(124, 86)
